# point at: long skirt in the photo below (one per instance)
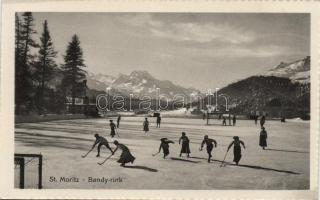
(112, 133)
(166, 151)
(236, 154)
(145, 128)
(185, 147)
(263, 141)
(126, 157)
(209, 148)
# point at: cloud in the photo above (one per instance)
(203, 33)
(140, 20)
(198, 32)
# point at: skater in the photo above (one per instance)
(224, 123)
(256, 119)
(236, 149)
(125, 156)
(146, 125)
(262, 121)
(234, 120)
(113, 128)
(283, 119)
(158, 121)
(263, 138)
(118, 121)
(209, 142)
(165, 146)
(185, 144)
(204, 116)
(101, 141)
(229, 120)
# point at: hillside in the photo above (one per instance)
(271, 94)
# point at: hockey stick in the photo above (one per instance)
(101, 163)
(85, 155)
(222, 164)
(154, 154)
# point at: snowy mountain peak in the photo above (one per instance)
(140, 73)
(297, 71)
(138, 82)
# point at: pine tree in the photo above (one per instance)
(45, 66)
(18, 56)
(73, 73)
(24, 60)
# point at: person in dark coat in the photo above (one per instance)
(209, 143)
(146, 125)
(234, 120)
(118, 121)
(263, 138)
(158, 121)
(185, 144)
(262, 121)
(101, 141)
(236, 149)
(125, 156)
(112, 128)
(165, 146)
(224, 123)
(256, 119)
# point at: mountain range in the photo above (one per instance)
(284, 89)
(138, 82)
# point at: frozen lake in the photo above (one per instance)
(284, 165)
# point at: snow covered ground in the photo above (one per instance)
(284, 165)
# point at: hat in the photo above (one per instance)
(96, 135)
(235, 137)
(206, 136)
(115, 142)
(163, 139)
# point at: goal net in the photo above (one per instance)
(218, 118)
(28, 171)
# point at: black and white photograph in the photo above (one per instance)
(175, 101)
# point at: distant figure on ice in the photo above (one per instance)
(236, 149)
(165, 146)
(185, 144)
(224, 123)
(158, 121)
(262, 121)
(263, 138)
(209, 143)
(112, 128)
(256, 119)
(204, 116)
(283, 119)
(101, 141)
(125, 156)
(229, 120)
(118, 121)
(234, 120)
(146, 125)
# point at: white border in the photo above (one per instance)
(9, 7)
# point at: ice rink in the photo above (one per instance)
(283, 165)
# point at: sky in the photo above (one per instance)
(199, 50)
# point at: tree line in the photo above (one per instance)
(41, 85)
